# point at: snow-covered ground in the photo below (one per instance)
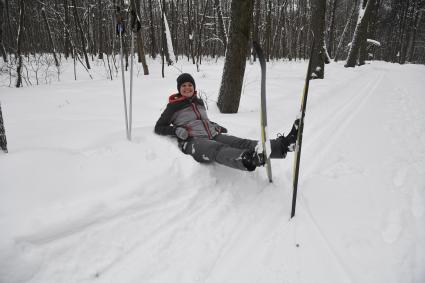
(80, 203)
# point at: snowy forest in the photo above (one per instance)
(101, 183)
(36, 34)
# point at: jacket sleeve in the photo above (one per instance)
(163, 125)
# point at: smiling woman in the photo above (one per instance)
(186, 118)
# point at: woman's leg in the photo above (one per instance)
(204, 150)
(277, 145)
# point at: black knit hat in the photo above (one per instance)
(185, 78)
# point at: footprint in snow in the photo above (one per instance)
(400, 176)
(341, 168)
(418, 202)
(393, 227)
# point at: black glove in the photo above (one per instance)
(181, 133)
(220, 129)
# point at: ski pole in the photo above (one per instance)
(131, 87)
(123, 84)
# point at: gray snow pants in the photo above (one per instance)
(225, 149)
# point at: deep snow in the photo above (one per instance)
(80, 203)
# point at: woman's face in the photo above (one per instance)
(186, 89)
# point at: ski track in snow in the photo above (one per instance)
(211, 224)
(354, 100)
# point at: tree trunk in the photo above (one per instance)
(49, 34)
(9, 24)
(360, 32)
(318, 25)
(67, 41)
(256, 24)
(412, 37)
(19, 43)
(163, 41)
(268, 29)
(190, 30)
(2, 48)
(199, 44)
(235, 61)
(3, 141)
(220, 24)
(347, 24)
(153, 48)
(403, 33)
(332, 28)
(165, 48)
(100, 29)
(80, 30)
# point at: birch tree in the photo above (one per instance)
(360, 34)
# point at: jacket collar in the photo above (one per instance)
(177, 97)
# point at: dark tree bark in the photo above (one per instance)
(360, 34)
(9, 24)
(163, 42)
(140, 45)
(332, 28)
(190, 30)
(2, 48)
(100, 29)
(49, 34)
(344, 32)
(165, 49)
(153, 49)
(3, 141)
(19, 43)
(268, 29)
(412, 36)
(67, 40)
(82, 37)
(256, 24)
(403, 32)
(318, 26)
(220, 23)
(235, 61)
(200, 31)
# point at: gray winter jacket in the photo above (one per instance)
(190, 114)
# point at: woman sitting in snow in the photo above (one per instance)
(186, 118)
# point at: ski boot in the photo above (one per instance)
(288, 142)
(252, 159)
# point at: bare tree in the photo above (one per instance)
(332, 27)
(360, 33)
(82, 36)
(413, 35)
(67, 41)
(220, 23)
(140, 45)
(2, 48)
(153, 46)
(100, 29)
(344, 32)
(235, 61)
(46, 23)
(19, 43)
(200, 32)
(3, 141)
(319, 50)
